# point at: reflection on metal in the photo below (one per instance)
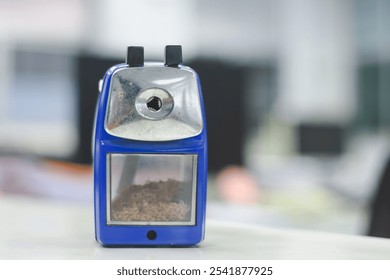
(128, 115)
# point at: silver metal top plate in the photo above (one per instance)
(154, 103)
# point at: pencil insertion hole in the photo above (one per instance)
(151, 235)
(154, 104)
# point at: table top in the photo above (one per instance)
(50, 229)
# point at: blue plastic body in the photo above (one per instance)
(136, 235)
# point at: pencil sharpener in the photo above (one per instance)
(150, 153)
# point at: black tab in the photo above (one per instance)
(135, 56)
(173, 55)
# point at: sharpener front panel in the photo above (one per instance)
(151, 189)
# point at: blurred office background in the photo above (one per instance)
(297, 96)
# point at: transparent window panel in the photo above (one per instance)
(151, 189)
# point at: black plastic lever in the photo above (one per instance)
(135, 56)
(173, 55)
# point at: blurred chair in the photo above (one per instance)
(380, 208)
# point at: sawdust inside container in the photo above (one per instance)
(141, 193)
(153, 201)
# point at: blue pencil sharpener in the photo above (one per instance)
(150, 154)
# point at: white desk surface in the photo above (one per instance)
(44, 229)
